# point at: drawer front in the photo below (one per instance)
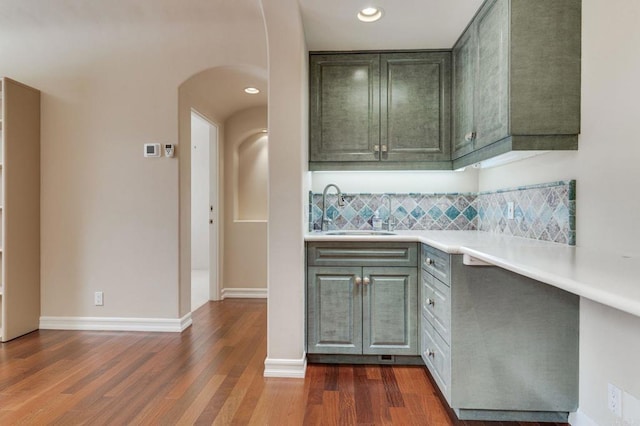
(437, 263)
(436, 305)
(380, 253)
(437, 356)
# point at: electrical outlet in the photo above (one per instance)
(98, 298)
(615, 400)
(510, 210)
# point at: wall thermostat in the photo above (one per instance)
(152, 150)
(169, 150)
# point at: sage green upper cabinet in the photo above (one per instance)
(385, 111)
(415, 106)
(463, 86)
(516, 80)
(344, 107)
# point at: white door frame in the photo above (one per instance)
(214, 202)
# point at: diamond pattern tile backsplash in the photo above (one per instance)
(542, 212)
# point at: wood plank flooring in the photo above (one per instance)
(210, 374)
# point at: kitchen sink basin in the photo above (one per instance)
(360, 233)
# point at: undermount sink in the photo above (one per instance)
(360, 233)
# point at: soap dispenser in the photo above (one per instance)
(377, 222)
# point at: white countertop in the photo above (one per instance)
(608, 278)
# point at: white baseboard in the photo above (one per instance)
(116, 324)
(244, 293)
(287, 368)
(579, 418)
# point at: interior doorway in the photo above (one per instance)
(204, 211)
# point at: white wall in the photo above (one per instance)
(288, 142)
(199, 193)
(606, 169)
(398, 181)
(110, 81)
(245, 241)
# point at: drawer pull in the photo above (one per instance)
(358, 280)
(366, 281)
(431, 302)
(430, 353)
(428, 261)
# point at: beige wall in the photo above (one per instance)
(245, 242)
(606, 169)
(110, 84)
(288, 183)
(252, 178)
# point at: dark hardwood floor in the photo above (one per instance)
(210, 374)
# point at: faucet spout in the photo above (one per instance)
(326, 220)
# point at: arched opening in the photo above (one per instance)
(217, 95)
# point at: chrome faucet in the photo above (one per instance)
(390, 218)
(326, 220)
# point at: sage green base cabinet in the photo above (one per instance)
(384, 111)
(356, 309)
(516, 80)
(500, 346)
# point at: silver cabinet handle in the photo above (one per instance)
(384, 148)
(358, 280)
(367, 281)
(430, 353)
(428, 261)
(431, 302)
(376, 148)
(470, 136)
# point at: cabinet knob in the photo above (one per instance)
(470, 136)
(376, 148)
(384, 148)
(358, 280)
(430, 353)
(366, 280)
(431, 302)
(428, 261)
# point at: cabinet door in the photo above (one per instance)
(344, 107)
(334, 310)
(389, 313)
(492, 95)
(415, 106)
(464, 80)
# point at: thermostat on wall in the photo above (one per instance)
(152, 150)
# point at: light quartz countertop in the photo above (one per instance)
(609, 278)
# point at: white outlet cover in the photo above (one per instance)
(614, 400)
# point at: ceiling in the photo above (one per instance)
(225, 85)
(406, 24)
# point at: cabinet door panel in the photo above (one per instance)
(415, 106)
(334, 311)
(390, 311)
(464, 80)
(492, 101)
(344, 107)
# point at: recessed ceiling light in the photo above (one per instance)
(370, 14)
(251, 90)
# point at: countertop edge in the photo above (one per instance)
(480, 245)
